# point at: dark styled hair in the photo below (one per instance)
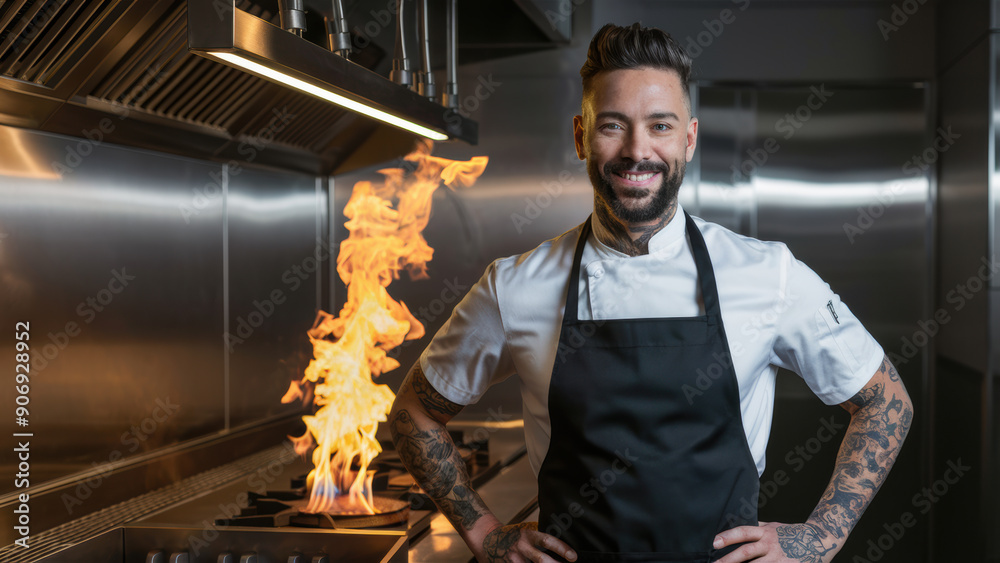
(616, 47)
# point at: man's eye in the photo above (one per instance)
(661, 127)
(611, 126)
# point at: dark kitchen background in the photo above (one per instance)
(167, 223)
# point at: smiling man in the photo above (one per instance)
(609, 328)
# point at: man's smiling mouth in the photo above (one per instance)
(637, 177)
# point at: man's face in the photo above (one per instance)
(636, 134)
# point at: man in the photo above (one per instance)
(609, 328)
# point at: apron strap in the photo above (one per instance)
(702, 261)
(572, 299)
(706, 274)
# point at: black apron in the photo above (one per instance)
(635, 471)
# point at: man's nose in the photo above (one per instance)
(637, 146)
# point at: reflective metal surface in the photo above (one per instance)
(963, 223)
(224, 28)
(991, 519)
(823, 169)
(276, 261)
(124, 295)
(119, 259)
(960, 26)
(65, 66)
(964, 408)
(842, 191)
(727, 130)
(755, 41)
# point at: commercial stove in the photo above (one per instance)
(247, 512)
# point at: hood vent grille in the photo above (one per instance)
(65, 65)
(40, 40)
(160, 77)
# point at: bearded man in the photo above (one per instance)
(609, 328)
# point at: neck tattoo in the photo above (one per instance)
(630, 240)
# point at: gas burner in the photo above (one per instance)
(394, 493)
(285, 508)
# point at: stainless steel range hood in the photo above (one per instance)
(119, 71)
(220, 31)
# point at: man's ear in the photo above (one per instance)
(578, 134)
(692, 138)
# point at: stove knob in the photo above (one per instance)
(156, 556)
(248, 558)
(320, 559)
(179, 557)
(225, 558)
(296, 558)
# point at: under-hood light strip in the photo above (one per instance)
(322, 93)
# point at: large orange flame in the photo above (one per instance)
(351, 349)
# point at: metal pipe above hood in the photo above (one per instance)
(223, 32)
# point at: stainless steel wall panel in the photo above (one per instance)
(274, 270)
(803, 165)
(991, 426)
(726, 131)
(963, 206)
(991, 519)
(959, 516)
(960, 25)
(116, 265)
(760, 41)
(842, 191)
(993, 212)
(962, 407)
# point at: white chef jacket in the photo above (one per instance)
(776, 311)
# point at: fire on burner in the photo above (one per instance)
(394, 494)
(286, 508)
(351, 349)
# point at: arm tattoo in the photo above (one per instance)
(889, 369)
(871, 444)
(621, 240)
(433, 401)
(431, 457)
(497, 543)
(462, 506)
(801, 542)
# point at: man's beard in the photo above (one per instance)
(665, 194)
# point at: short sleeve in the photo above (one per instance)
(469, 352)
(819, 338)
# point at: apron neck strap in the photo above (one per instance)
(702, 261)
(706, 274)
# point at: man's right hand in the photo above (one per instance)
(521, 543)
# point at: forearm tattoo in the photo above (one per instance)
(871, 444)
(431, 457)
(462, 506)
(433, 401)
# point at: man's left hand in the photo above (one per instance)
(773, 542)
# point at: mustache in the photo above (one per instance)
(635, 167)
